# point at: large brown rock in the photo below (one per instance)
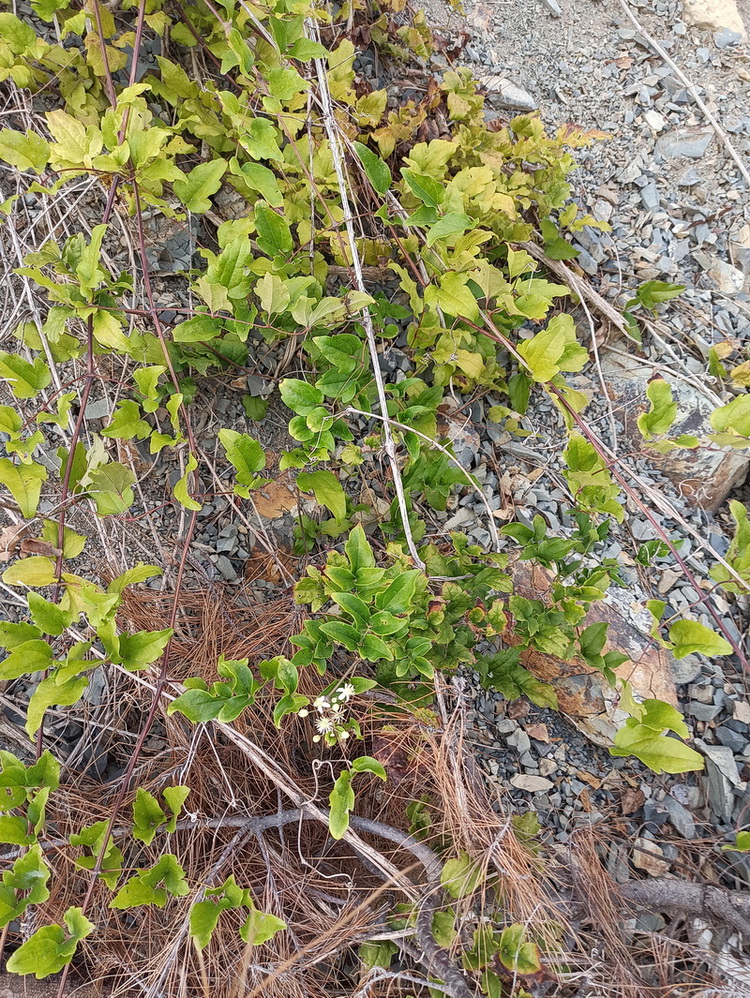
(582, 692)
(704, 476)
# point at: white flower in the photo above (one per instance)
(343, 735)
(324, 725)
(346, 692)
(304, 712)
(337, 709)
(316, 738)
(321, 704)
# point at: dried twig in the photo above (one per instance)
(705, 901)
(332, 131)
(580, 286)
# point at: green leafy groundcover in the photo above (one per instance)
(283, 120)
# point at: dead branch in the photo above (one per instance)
(706, 901)
(579, 285)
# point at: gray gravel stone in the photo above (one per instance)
(690, 143)
(519, 740)
(226, 568)
(703, 711)
(732, 739)
(726, 37)
(679, 817)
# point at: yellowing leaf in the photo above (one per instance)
(181, 489)
(453, 297)
(688, 636)
(75, 145)
(274, 297)
(200, 184)
(24, 482)
(35, 571)
(26, 152)
(554, 349)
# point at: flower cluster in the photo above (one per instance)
(333, 723)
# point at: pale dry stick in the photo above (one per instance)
(692, 90)
(270, 768)
(34, 310)
(580, 286)
(600, 374)
(332, 131)
(443, 450)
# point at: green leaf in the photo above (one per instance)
(515, 954)
(352, 605)
(18, 35)
(688, 636)
(126, 422)
(147, 816)
(47, 616)
(24, 884)
(429, 191)
(376, 170)
(653, 293)
(110, 488)
(659, 752)
(397, 598)
(139, 650)
(344, 634)
(25, 152)
(285, 83)
(374, 649)
(25, 378)
(274, 234)
(259, 928)
(663, 411)
(327, 488)
(24, 481)
(366, 764)
(204, 917)
(15, 831)
(181, 489)
(52, 947)
(358, 550)
(733, 418)
(341, 800)
(51, 693)
(460, 877)
(740, 844)
(35, 571)
(197, 329)
(144, 887)
(452, 224)
(260, 178)
(175, 798)
(200, 184)
(133, 576)
(304, 49)
(244, 453)
(299, 396)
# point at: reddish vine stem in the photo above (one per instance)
(602, 451)
(164, 666)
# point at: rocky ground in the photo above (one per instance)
(678, 207)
